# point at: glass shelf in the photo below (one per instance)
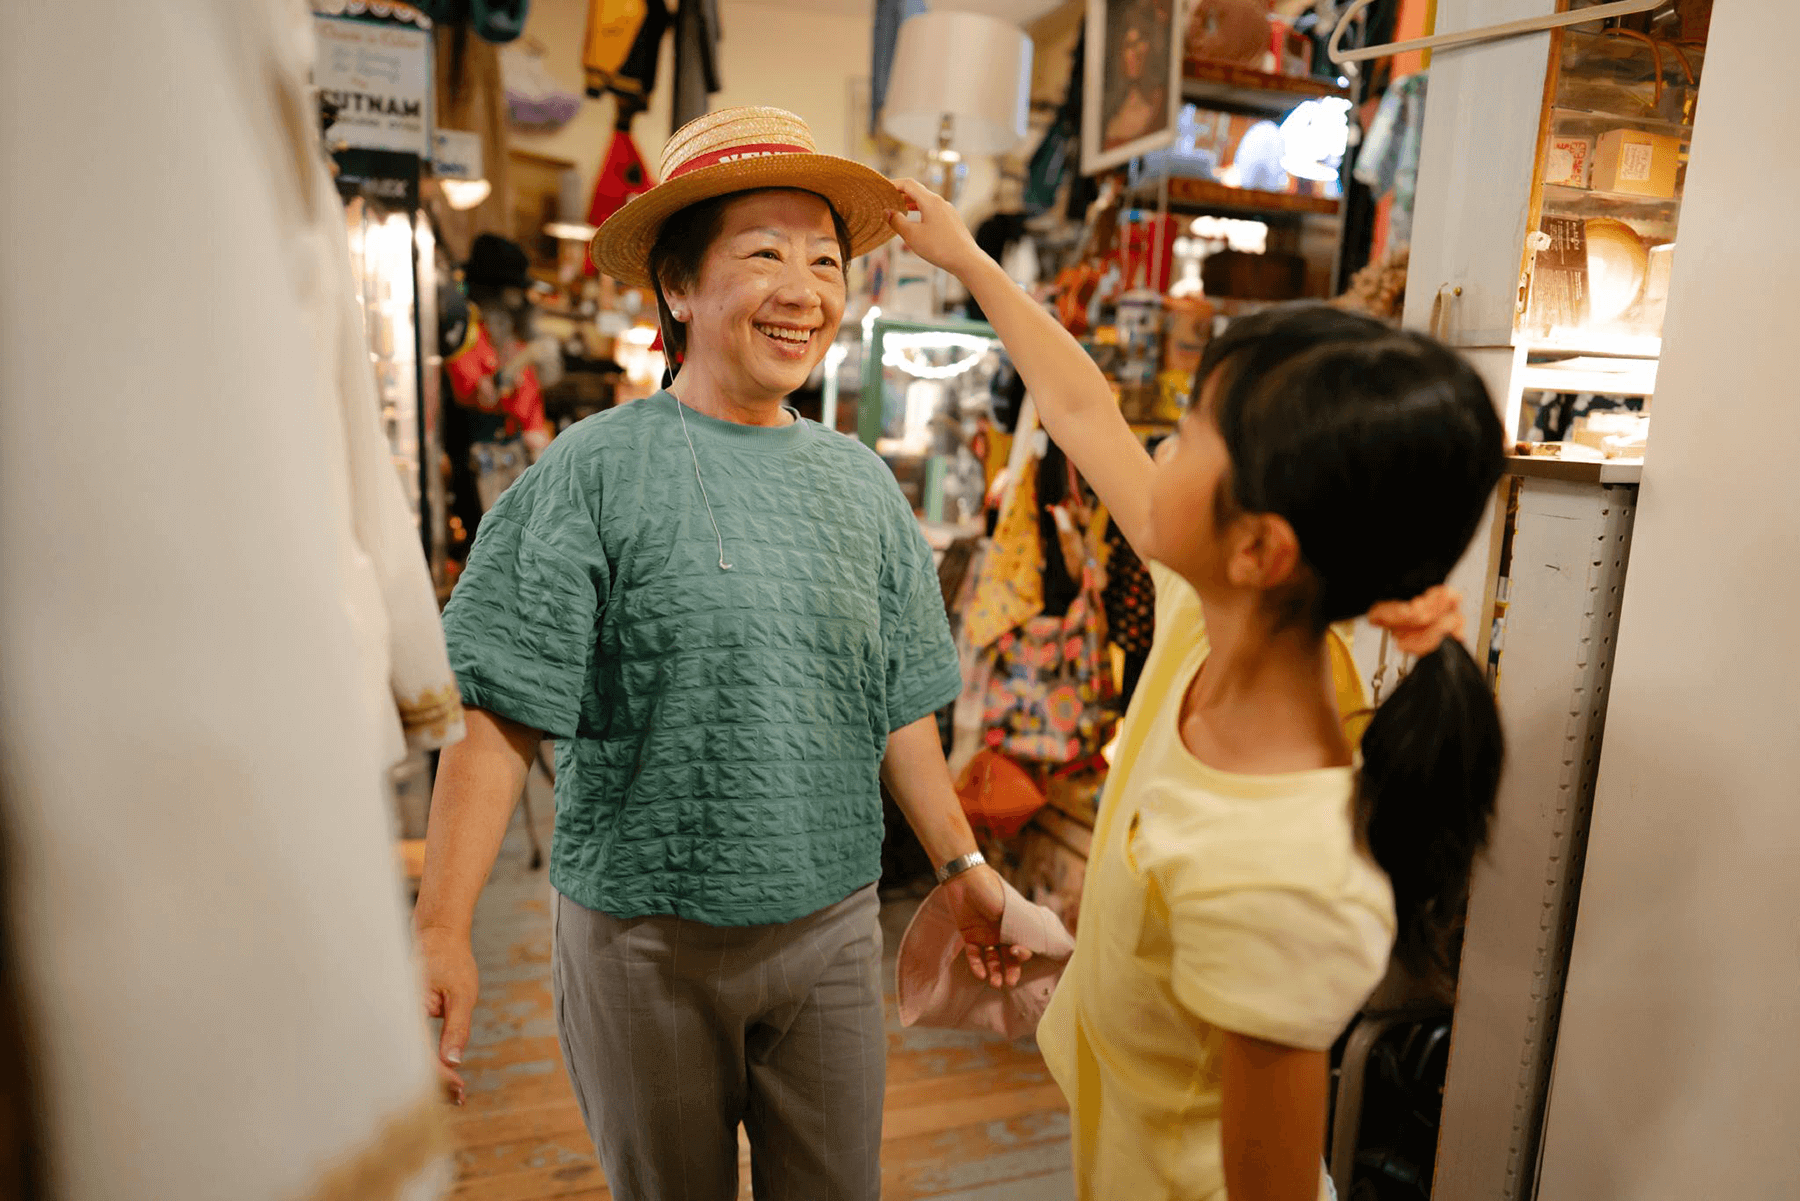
(1579, 202)
(1587, 121)
(1600, 343)
(1233, 88)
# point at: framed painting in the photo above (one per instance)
(1131, 80)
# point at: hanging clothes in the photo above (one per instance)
(620, 52)
(470, 94)
(1051, 697)
(1057, 159)
(1130, 601)
(1062, 571)
(889, 16)
(696, 60)
(1010, 587)
(1389, 158)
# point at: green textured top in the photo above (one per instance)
(719, 733)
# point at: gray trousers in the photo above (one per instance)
(675, 1031)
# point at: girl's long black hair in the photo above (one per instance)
(1380, 448)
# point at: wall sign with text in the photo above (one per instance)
(379, 77)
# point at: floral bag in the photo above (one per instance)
(1052, 698)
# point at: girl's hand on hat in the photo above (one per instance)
(978, 901)
(938, 235)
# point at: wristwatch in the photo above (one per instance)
(959, 865)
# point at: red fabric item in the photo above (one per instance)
(998, 795)
(473, 362)
(622, 176)
(524, 405)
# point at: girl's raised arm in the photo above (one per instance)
(1073, 399)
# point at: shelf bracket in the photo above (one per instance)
(1486, 33)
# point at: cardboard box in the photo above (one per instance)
(1566, 165)
(1636, 163)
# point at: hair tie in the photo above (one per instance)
(1420, 625)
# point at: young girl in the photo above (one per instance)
(1248, 876)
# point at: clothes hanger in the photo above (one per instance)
(1485, 33)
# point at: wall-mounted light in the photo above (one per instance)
(571, 231)
(464, 194)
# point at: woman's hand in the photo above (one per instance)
(978, 900)
(914, 771)
(939, 235)
(452, 982)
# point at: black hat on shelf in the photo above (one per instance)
(497, 262)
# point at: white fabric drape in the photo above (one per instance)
(208, 603)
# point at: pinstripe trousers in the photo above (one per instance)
(674, 1031)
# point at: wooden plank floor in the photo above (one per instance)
(969, 1118)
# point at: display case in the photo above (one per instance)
(1612, 157)
(392, 261)
(373, 70)
(926, 388)
(1612, 152)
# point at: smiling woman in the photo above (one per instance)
(751, 288)
(729, 621)
(728, 222)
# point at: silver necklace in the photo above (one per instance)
(698, 478)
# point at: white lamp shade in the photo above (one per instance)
(972, 68)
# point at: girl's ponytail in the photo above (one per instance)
(1381, 449)
(1431, 761)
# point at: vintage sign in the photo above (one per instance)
(456, 154)
(379, 78)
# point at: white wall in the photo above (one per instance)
(1678, 1067)
(798, 56)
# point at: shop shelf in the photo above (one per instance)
(1226, 87)
(1577, 471)
(1205, 197)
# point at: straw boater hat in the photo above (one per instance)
(735, 150)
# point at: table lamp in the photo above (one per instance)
(961, 85)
